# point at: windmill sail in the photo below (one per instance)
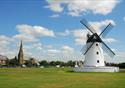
(85, 48)
(106, 30)
(107, 50)
(87, 25)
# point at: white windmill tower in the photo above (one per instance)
(93, 51)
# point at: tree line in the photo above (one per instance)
(32, 63)
(44, 63)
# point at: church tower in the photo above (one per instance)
(21, 55)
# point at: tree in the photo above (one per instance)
(13, 62)
(28, 63)
(121, 65)
(59, 63)
(52, 63)
(71, 63)
(44, 63)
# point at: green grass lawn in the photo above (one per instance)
(58, 78)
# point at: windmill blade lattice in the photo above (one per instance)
(107, 50)
(88, 48)
(106, 30)
(84, 48)
(88, 26)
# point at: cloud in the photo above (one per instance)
(65, 33)
(119, 57)
(37, 46)
(53, 52)
(4, 40)
(67, 50)
(79, 7)
(32, 33)
(55, 16)
(31, 50)
(35, 30)
(120, 54)
(64, 51)
(69, 53)
(98, 26)
(110, 40)
(80, 36)
(54, 6)
(25, 37)
(6, 45)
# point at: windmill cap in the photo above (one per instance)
(94, 38)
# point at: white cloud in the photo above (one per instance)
(4, 40)
(65, 33)
(69, 53)
(54, 6)
(31, 33)
(110, 40)
(37, 46)
(120, 54)
(67, 50)
(53, 52)
(100, 25)
(64, 52)
(24, 37)
(34, 30)
(119, 57)
(41, 31)
(55, 16)
(48, 46)
(79, 7)
(6, 46)
(80, 36)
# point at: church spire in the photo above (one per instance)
(21, 55)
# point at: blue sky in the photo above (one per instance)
(51, 29)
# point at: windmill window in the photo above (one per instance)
(96, 44)
(97, 53)
(97, 61)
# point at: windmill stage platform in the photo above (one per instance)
(96, 69)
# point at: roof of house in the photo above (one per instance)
(3, 57)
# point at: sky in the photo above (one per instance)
(51, 29)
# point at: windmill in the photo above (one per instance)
(93, 51)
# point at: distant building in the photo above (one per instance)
(3, 60)
(34, 61)
(21, 55)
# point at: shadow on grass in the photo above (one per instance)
(70, 71)
(122, 71)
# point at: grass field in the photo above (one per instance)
(58, 78)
